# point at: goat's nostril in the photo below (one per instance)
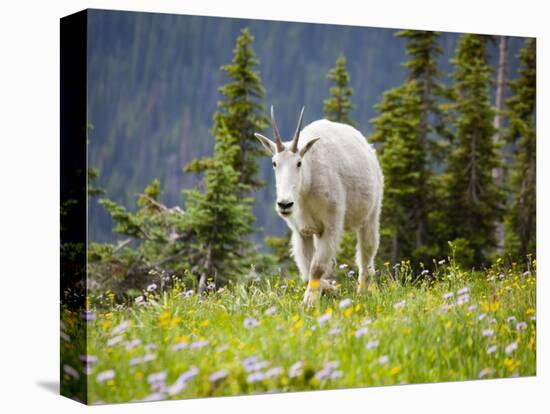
(285, 206)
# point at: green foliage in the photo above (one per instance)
(416, 333)
(412, 133)
(521, 216)
(337, 108)
(403, 161)
(240, 112)
(472, 197)
(219, 217)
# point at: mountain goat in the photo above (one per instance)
(328, 179)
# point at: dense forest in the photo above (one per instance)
(179, 185)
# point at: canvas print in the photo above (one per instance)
(252, 206)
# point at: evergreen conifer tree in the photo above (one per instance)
(240, 112)
(220, 217)
(402, 161)
(521, 217)
(338, 106)
(472, 196)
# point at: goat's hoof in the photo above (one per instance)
(311, 297)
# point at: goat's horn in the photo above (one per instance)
(294, 147)
(276, 135)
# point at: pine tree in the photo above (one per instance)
(473, 198)
(220, 217)
(410, 127)
(521, 217)
(338, 107)
(402, 161)
(240, 112)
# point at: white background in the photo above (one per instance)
(29, 194)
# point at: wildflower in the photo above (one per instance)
(351, 273)
(132, 344)
(321, 320)
(177, 387)
(533, 318)
(179, 346)
(485, 371)
(70, 371)
(493, 320)
(462, 299)
(151, 346)
(491, 279)
(273, 372)
(258, 366)
(526, 273)
(88, 316)
(472, 308)
(372, 344)
(221, 290)
(156, 377)
(383, 360)
(88, 359)
(188, 375)
(521, 325)
(152, 287)
(399, 305)
(251, 322)
(120, 328)
(462, 291)
(64, 336)
(510, 319)
(491, 349)
(345, 303)
(511, 348)
(139, 299)
(343, 266)
(361, 331)
(487, 332)
(142, 359)
(322, 374)
(255, 377)
(295, 369)
(441, 262)
(331, 365)
(105, 376)
(336, 374)
(501, 276)
(249, 362)
(219, 375)
(271, 311)
(481, 317)
(115, 340)
(211, 286)
(199, 344)
(334, 331)
(156, 396)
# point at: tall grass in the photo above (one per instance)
(448, 326)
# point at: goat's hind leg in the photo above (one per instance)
(368, 239)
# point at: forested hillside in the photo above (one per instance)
(153, 89)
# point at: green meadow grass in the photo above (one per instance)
(258, 338)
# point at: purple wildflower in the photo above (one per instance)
(152, 287)
(156, 396)
(71, 372)
(321, 320)
(383, 360)
(255, 377)
(251, 322)
(491, 349)
(361, 331)
(199, 344)
(485, 371)
(105, 376)
(343, 266)
(487, 332)
(132, 344)
(179, 346)
(511, 348)
(88, 359)
(273, 372)
(521, 325)
(156, 377)
(219, 375)
(115, 340)
(372, 344)
(271, 311)
(399, 305)
(120, 328)
(88, 316)
(295, 369)
(345, 303)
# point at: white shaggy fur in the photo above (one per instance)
(334, 182)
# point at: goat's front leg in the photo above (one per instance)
(321, 265)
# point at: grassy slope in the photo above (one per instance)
(422, 338)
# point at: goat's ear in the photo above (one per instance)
(308, 146)
(267, 143)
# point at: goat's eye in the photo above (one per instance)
(299, 164)
(274, 164)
